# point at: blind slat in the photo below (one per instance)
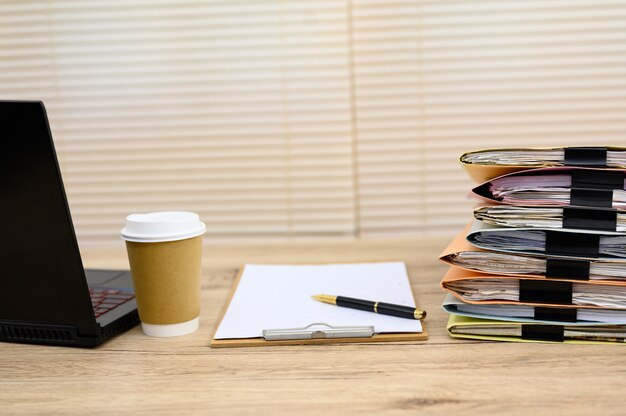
(301, 119)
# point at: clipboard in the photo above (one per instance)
(316, 333)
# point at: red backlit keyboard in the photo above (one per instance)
(103, 299)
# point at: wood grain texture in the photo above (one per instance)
(135, 374)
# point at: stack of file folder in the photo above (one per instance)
(544, 259)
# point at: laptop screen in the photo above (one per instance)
(41, 274)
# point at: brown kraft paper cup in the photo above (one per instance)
(166, 277)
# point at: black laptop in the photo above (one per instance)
(46, 296)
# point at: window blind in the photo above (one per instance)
(279, 120)
(435, 79)
(239, 111)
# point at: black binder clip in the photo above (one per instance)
(590, 157)
(572, 269)
(601, 219)
(553, 333)
(566, 244)
(556, 314)
(594, 188)
(591, 197)
(597, 179)
(545, 291)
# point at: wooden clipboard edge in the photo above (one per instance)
(260, 342)
(233, 290)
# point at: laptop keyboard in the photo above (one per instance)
(107, 299)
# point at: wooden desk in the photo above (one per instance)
(141, 375)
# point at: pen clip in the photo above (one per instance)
(318, 330)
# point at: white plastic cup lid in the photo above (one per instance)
(162, 226)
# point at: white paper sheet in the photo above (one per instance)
(533, 217)
(533, 241)
(497, 263)
(279, 297)
(607, 316)
(542, 189)
(583, 294)
(534, 157)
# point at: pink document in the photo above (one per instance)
(547, 187)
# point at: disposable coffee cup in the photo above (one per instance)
(165, 255)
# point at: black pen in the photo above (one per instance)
(382, 308)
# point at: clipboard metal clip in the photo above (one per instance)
(318, 331)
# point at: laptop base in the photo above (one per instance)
(112, 323)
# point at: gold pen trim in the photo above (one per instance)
(376, 307)
(418, 314)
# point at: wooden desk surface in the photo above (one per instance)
(141, 375)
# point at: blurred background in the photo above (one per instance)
(289, 120)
